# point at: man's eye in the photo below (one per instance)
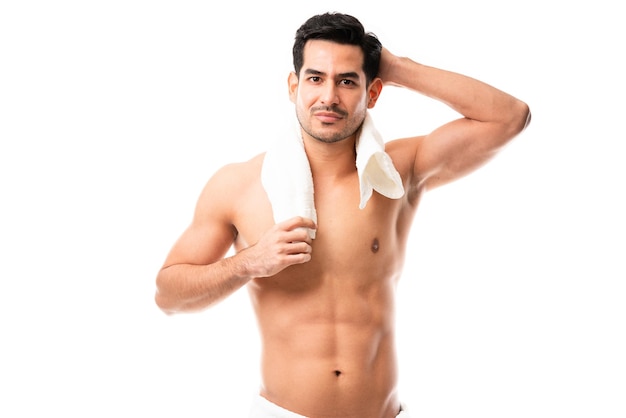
(315, 79)
(347, 82)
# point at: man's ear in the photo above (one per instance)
(373, 92)
(292, 81)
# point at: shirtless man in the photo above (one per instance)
(325, 306)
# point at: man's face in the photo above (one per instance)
(331, 95)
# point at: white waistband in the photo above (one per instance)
(262, 408)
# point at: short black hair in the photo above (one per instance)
(343, 29)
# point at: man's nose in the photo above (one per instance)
(329, 94)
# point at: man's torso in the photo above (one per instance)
(327, 326)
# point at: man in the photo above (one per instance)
(325, 305)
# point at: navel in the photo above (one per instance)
(337, 373)
(375, 245)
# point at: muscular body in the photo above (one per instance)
(325, 307)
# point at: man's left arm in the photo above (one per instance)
(491, 118)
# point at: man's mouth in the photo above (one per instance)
(328, 117)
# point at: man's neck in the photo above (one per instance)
(331, 160)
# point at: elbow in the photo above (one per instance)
(520, 117)
(169, 300)
(164, 302)
(170, 305)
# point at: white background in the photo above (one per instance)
(114, 114)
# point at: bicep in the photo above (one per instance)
(456, 149)
(201, 244)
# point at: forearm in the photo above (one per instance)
(188, 287)
(184, 287)
(470, 97)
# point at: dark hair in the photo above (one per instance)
(343, 29)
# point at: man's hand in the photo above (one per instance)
(285, 244)
(386, 67)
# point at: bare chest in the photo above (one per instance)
(349, 240)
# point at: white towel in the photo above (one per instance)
(287, 180)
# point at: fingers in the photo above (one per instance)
(292, 242)
(285, 244)
(298, 247)
(298, 222)
(297, 229)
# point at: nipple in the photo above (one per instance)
(375, 245)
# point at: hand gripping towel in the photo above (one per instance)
(287, 180)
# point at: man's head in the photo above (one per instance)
(342, 29)
(335, 79)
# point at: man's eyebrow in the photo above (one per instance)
(310, 71)
(350, 74)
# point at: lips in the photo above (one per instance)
(328, 117)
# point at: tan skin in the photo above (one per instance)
(325, 307)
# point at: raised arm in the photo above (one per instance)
(196, 274)
(491, 118)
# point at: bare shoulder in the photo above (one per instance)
(221, 191)
(232, 176)
(213, 228)
(237, 172)
(234, 200)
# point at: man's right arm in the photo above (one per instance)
(196, 274)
